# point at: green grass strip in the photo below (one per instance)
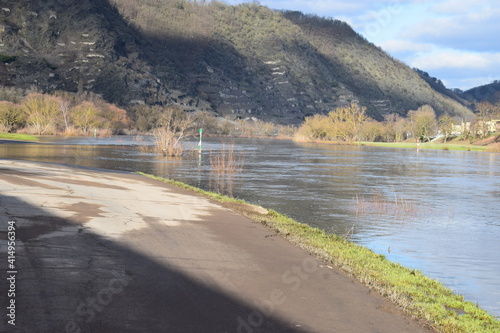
(427, 145)
(19, 137)
(419, 296)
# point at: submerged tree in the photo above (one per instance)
(175, 125)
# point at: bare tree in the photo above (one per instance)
(42, 112)
(11, 116)
(85, 116)
(64, 107)
(175, 125)
(423, 122)
(347, 121)
(445, 124)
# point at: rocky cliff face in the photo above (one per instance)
(237, 61)
(75, 46)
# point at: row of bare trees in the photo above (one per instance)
(62, 113)
(350, 124)
(43, 114)
(66, 114)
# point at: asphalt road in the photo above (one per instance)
(100, 251)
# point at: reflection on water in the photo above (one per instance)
(450, 229)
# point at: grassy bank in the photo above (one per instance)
(409, 145)
(427, 145)
(419, 296)
(18, 137)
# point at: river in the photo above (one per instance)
(432, 210)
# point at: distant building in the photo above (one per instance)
(492, 126)
(495, 126)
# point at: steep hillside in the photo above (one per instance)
(486, 93)
(241, 61)
(438, 85)
(382, 83)
(72, 45)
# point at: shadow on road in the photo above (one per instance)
(71, 280)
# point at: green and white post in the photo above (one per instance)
(199, 144)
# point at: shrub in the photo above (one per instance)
(42, 111)
(372, 131)
(343, 123)
(175, 126)
(11, 116)
(223, 167)
(423, 122)
(85, 116)
(116, 118)
(6, 58)
(316, 127)
(11, 94)
(167, 142)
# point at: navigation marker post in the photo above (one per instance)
(199, 144)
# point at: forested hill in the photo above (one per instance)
(488, 92)
(242, 61)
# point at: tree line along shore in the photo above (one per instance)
(62, 113)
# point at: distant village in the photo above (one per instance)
(483, 128)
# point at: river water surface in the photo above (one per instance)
(436, 211)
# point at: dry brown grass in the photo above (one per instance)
(167, 142)
(143, 146)
(71, 131)
(397, 206)
(494, 148)
(224, 165)
(103, 132)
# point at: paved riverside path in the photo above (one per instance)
(101, 251)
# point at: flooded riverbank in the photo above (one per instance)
(449, 228)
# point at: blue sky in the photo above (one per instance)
(456, 41)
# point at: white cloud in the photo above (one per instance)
(450, 7)
(328, 8)
(395, 46)
(387, 22)
(455, 59)
(435, 27)
(474, 27)
(469, 82)
(331, 7)
(318, 7)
